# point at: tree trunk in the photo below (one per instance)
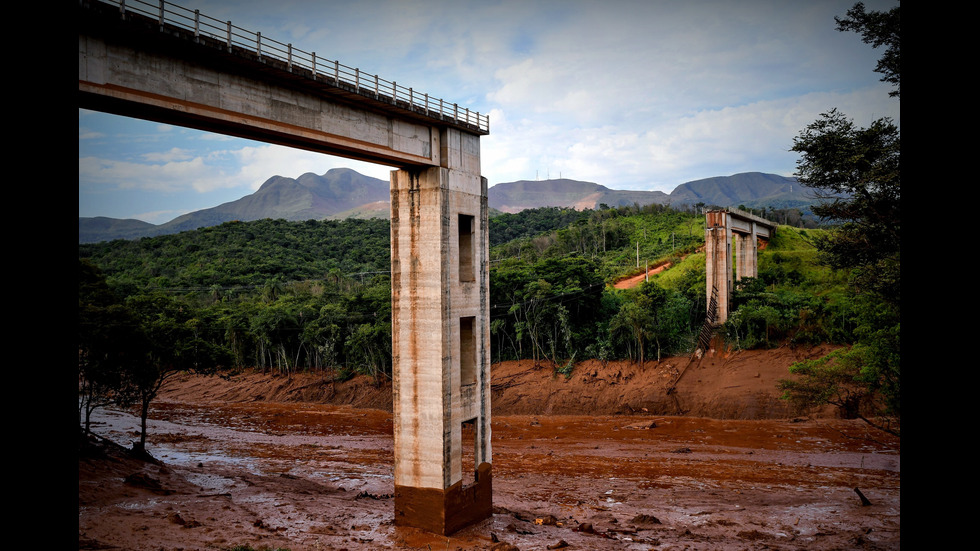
(144, 414)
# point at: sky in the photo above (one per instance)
(642, 95)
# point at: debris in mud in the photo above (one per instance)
(752, 535)
(682, 450)
(586, 527)
(147, 482)
(864, 501)
(644, 520)
(644, 425)
(368, 495)
(504, 546)
(513, 528)
(561, 544)
(547, 520)
(175, 518)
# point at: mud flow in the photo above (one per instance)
(304, 476)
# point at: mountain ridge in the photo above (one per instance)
(343, 193)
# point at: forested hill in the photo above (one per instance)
(245, 254)
(316, 295)
(339, 193)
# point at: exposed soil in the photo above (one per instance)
(598, 460)
(633, 281)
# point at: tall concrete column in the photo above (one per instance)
(747, 252)
(440, 340)
(718, 260)
(720, 226)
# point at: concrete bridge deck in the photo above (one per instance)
(162, 32)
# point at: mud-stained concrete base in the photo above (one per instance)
(446, 512)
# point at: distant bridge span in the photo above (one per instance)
(161, 62)
(748, 231)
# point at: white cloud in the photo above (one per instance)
(710, 142)
(631, 95)
(96, 173)
(86, 134)
(172, 155)
(259, 163)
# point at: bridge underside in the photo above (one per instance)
(165, 79)
(439, 238)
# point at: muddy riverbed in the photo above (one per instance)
(312, 476)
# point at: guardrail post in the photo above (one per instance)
(375, 86)
(258, 45)
(197, 25)
(161, 15)
(289, 57)
(122, 9)
(357, 79)
(336, 73)
(229, 36)
(314, 65)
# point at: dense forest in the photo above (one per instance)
(287, 296)
(316, 295)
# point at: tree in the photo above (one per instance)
(634, 322)
(878, 29)
(858, 171)
(109, 341)
(174, 344)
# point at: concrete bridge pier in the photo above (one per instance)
(748, 230)
(440, 340)
(162, 69)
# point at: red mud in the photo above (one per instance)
(242, 462)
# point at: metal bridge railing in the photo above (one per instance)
(167, 13)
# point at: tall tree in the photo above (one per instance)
(860, 169)
(858, 172)
(174, 344)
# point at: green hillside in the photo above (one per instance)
(315, 295)
(551, 291)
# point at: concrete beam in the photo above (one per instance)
(143, 76)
